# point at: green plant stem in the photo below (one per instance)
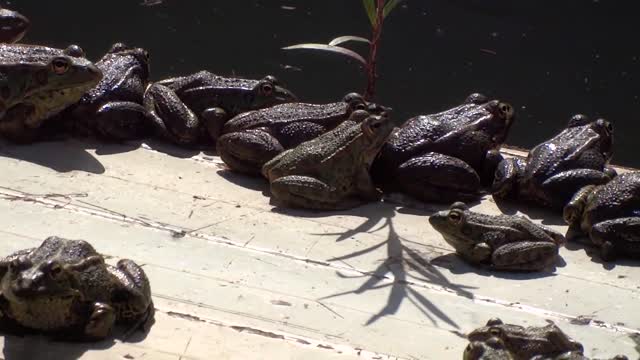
(370, 91)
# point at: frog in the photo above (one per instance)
(608, 215)
(252, 138)
(447, 156)
(38, 82)
(331, 172)
(491, 349)
(65, 288)
(113, 109)
(555, 169)
(13, 26)
(193, 109)
(574, 355)
(501, 242)
(526, 342)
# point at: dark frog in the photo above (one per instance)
(194, 108)
(555, 169)
(501, 242)
(253, 138)
(13, 26)
(113, 109)
(609, 215)
(38, 82)
(446, 156)
(65, 288)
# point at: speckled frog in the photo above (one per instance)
(63, 287)
(526, 342)
(192, 109)
(331, 171)
(555, 169)
(502, 242)
(447, 156)
(609, 215)
(251, 139)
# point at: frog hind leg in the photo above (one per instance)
(438, 177)
(247, 151)
(123, 120)
(173, 120)
(525, 256)
(562, 186)
(617, 237)
(132, 301)
(310, 193)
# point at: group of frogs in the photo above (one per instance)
(316, 156)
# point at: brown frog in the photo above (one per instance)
(251, 139)
(64, 287)
(331, 171)
(502, 242)
(526, 342)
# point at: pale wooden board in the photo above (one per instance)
(319, 277)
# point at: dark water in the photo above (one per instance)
(550, 59)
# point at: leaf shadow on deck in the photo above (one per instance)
(404, 285)
(60, 156)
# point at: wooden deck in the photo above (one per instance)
(234, 277)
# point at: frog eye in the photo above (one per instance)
(74, 50)
(360, 106)
(455, 216)
(60, 65)
(267, 89)
(494, 331)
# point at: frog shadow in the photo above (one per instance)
(173, 150)
(60, 156)
(256, 183)
(547, 216)
(582, 243)
(37, 347)
(457, 266)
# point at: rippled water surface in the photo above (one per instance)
(550, 59)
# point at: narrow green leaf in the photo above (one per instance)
(389, 7)
(370, 7)
(335, 49)
(343, 39)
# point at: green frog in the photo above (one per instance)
(251, 139)
(113, 109)
(38, 82)
(13, 26)
(448, 156)
(555, 169)
(502, 242)
(331, 172)
(609, 215)
(63, 287)
(194, 108)
(526, 342)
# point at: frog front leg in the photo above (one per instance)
(438, 177)
(573, 211)
(214, 119)
(311, 193)
(100, 322)
(15, 127)
(247, 151)
(123, 120)
(172, 118)
(617, 237)
(132, 301)
(524, 256)
(561, 187)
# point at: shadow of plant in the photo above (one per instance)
(393, 272)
